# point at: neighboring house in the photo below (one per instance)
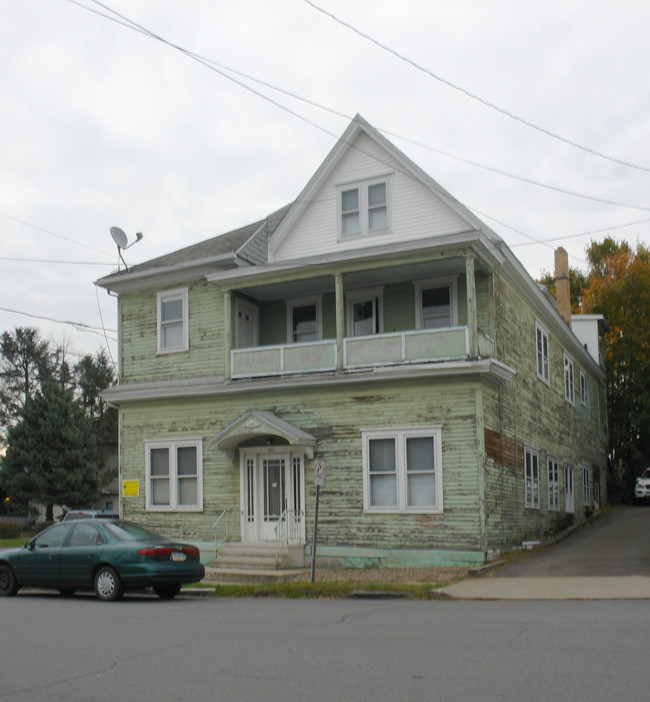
(374, 325)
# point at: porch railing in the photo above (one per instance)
(225, 528)
(285, 359)
(288, 529)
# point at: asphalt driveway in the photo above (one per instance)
(609, 559)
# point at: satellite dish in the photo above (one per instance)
(119, 237)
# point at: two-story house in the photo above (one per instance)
(374, 325)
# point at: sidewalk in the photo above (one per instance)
(631, 587)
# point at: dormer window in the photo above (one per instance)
(364, 208)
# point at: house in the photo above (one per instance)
(375, 326)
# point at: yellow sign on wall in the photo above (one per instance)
(130, 488)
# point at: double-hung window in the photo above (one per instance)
(304, 318)
(541, 340)
(364, 207)
(569, 389)
(174, 471)
(583, 388)
(402, 470)
(553, 484)
(435, 303)
(173, 321)
(586, 487)
(531, 467)
(365, 312)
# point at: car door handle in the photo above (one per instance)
(52, 556)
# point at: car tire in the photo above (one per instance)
(166, 592)
(8, 583)
(107, 584)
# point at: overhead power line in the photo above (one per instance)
(80, 326)
(478, 98)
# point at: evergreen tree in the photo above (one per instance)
(51, 453)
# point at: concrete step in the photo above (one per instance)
(250, 557)
(225, 576)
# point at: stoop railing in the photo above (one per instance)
(288, 529)
(225, 528)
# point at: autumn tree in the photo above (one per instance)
(619, 289)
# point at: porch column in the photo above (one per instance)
(227, 330)
(340, 319)
(472, 321)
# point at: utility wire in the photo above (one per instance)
(80, 326)
(478, 98)
(225, 70)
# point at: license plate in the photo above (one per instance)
(178, 556)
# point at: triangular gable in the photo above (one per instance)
(387, 157)
(258, 423)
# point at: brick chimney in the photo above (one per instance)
(562, 286)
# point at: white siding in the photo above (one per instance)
(417, 212)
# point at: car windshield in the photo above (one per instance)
(129, 531)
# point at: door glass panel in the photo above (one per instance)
(273, 488)
(304, 324)
(364, 318)
(436, 308)
(85, 535)
(52, 537)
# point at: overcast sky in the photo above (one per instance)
(101, 125)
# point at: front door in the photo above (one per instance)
(246, 324)
(272, 495)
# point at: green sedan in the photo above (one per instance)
(106, 556)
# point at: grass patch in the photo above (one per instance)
(17, 542)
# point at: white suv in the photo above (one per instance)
(642, 487)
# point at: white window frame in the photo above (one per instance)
(400, 435)
(586, 486)
(531, 478)
(569, 489)
(376, 295)
(583, 388)
(542, 353)
(317, 301)
(362, 187)
(553, 473)
(171, 446)
(168, 296)
(450, 282)
(569, 380)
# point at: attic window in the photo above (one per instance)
(364, 208)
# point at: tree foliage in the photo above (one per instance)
(51, 452)
(619, 288)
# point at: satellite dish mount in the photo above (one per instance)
(122, 243)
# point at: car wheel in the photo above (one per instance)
(108, 586)
(166, 592)
(8, 582)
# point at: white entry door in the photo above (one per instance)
(272, 489)
(246, 324)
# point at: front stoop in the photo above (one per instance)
(256, 563)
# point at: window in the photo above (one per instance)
(172, 321)
(174, 475)
(553, 484)
(568, 380)
(304, 319)
(586, 487)
(583, 388)
(568, 488)
(435, 303)
(85, 535)
(364, 207)
(402, 470)
(541, 335)
(531, 461)
(365, 312)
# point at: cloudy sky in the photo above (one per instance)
(534, 115)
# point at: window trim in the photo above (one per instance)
(553, 476)
(292, 303)
(569, 379)
(583, 388)
(531, 502)
(400, 435)
(569, 494)
(172, 445)
(429, 284)
(365, 295)
(545, 373)
(362, 186)
(586, 486)
(164, 296)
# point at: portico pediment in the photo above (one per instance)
(258, 424)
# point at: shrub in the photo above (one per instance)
(39, 526)
(10, 530)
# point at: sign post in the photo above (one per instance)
(319, 481)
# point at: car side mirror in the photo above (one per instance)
(29, 546)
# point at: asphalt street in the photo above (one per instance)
(147, 650)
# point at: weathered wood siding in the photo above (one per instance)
(527, 411)
(335, 417)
